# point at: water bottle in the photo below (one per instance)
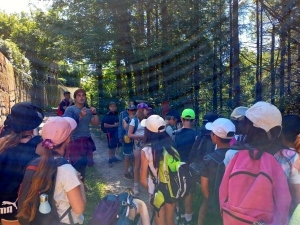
(44, 207)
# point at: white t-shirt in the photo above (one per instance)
(66, 180)
(286, 159)
(140, 130)
(148, 153)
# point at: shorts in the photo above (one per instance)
(127, 148)
(112, 140)
(138, 144)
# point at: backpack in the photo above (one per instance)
(59, 112)
(180, 183)
(136, 123)
(52, 218)
(114, 210)
(254, 189)
(213, 199)
(202, 146)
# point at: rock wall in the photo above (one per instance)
(7, 87)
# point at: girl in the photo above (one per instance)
(68, 190)
(128, 144)
(158, 144)
(18, 147)
(137, 136)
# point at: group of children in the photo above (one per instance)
(249, 174)
(260, 131)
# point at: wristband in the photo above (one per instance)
(94, 114)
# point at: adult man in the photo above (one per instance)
(184, 140)
(67, 101)
(81, 147)
(111, 123)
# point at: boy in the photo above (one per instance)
(111, 123)
(184, 140)
(213, 168)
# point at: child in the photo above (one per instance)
(213, 168)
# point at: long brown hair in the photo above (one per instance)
(297, 144)
(42, 181)
(10, 140)
(140, 114)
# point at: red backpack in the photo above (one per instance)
(254, 189)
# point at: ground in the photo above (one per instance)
(112, 177)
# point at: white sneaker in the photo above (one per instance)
(136, 190)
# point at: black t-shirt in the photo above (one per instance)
(64, 103)
(184, 140)
(111, 118)
(13, 162)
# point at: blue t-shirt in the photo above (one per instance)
(82, 129)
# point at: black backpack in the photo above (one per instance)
(202, 146)
(52, 218)
(213, 201)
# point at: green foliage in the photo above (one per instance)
(52, 94)
(20, 63)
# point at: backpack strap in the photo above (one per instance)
(136, 123)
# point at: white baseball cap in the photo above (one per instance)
(154, 123)
(264, 115)
(222, 127)
(238, 113)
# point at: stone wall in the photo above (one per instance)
(7, 87)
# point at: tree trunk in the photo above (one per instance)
(236, 53)
(272, 62)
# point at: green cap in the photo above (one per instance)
(188, 114)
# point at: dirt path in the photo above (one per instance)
(113, 177)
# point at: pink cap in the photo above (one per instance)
(56, 130)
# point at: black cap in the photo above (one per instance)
(209, 117)
(66, 92)
(24, 116)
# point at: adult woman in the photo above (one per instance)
(158, 144)
(17, 149)
(137, 136)
(69, 190)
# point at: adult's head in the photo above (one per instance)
(56, 132)
(156, 135)
(142, 110)
(262, 125)
(290, 129)
(222, 130)
(188, 117)
(112, 107)
(80, 96)
(237, 117)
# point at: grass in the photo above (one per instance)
(94, 183)
(95, 193)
